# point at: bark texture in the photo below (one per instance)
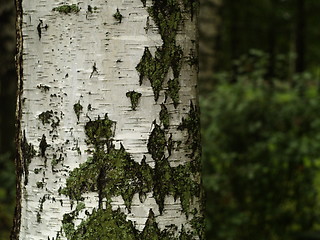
(108, 140)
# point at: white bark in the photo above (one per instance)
(63, 59)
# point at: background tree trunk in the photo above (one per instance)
(300, 35)
(7, 76)
(7, 116)
(209, 30)
(108, 140)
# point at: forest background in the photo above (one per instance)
(259, 85)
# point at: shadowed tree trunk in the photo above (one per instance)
(272, 41)
(7, 75)
(108, 122)
(7, 115)
(300, 35)
(209, 20)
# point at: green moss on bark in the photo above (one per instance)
(43, 146)
(152, 231)
(170, 144)
(145, 173)
(197, 224)
(110, 172)
(112, 225)
(91, 9)
(146, 65)
(163, 184)
(101, 224)
(168, 18)
(66, 9)
(45, 117)
(48, 117)
(67, 221)
(186, 186)
(192, 124)
(39, 184)
(118, 16)
(156, 68)
(100, 132)
(164, 116)
(55, 160)
(28, 152)
(134, 98)
(185, 235)
(77, 108)
(173, 91)
(157, 143)
(192, 60)
(179, 182)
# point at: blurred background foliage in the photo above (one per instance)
(259, 84)
(261, 159)
(260, 113)
(7, 119)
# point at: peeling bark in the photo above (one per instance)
(129, 159)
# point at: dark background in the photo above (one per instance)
(7, 115)
(259, 87)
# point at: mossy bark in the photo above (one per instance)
(129, 163)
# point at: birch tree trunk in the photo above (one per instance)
(108, 143)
